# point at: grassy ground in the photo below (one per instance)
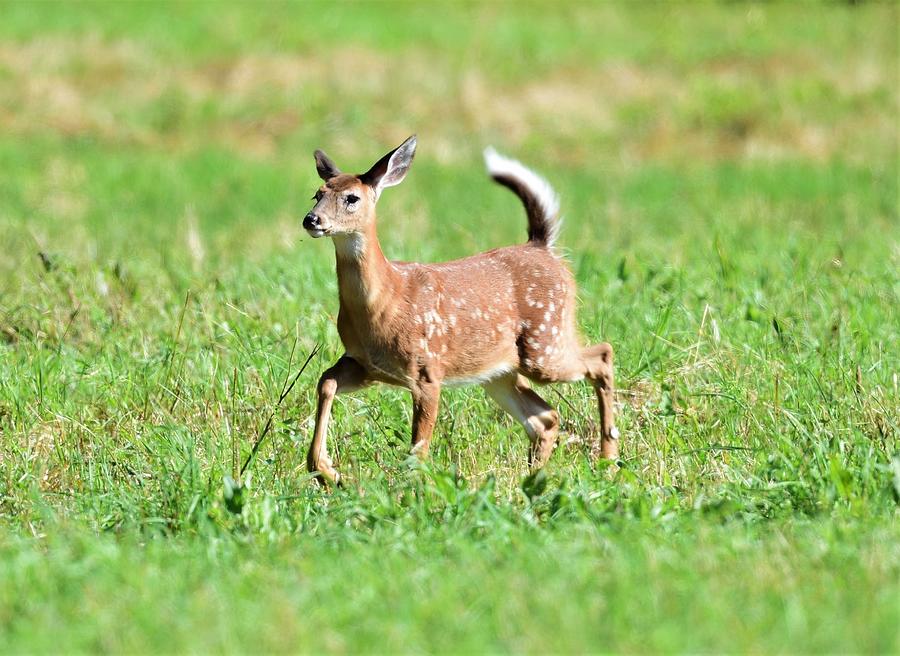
(729, 177)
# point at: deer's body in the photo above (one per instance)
(497, 318)
(509, 309)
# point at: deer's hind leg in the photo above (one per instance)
(598, 362)
(594, 363)
(541, 421)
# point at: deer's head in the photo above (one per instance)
(345, 203)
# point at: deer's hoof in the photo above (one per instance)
(327, 478)
(324, 474)
(609, 445)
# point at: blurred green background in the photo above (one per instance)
(729, 182)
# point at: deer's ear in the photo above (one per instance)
(326, 168)
(392, 168)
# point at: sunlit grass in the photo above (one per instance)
(729, 181)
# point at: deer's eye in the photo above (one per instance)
(352, 199)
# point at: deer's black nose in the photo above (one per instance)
(311, 221)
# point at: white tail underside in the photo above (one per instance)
(547, 198)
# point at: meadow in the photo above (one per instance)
(729, 182)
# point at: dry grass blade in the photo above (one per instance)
(285, 390)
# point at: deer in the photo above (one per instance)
(501, 319)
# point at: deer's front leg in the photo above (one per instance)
(426, 398)
(345, 376)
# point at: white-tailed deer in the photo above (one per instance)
(496, 319)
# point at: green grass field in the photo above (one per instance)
(729, 178)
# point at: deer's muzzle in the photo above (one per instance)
(313, 225)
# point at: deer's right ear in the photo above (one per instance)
(392, 168)
(326, 168)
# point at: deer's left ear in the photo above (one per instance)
(392, 168)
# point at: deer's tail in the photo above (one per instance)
(540, 201)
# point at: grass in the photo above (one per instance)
(729, 177)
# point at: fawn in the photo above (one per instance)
(495, 319)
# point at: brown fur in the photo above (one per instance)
(497, 318)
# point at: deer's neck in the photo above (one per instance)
(366, 280)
